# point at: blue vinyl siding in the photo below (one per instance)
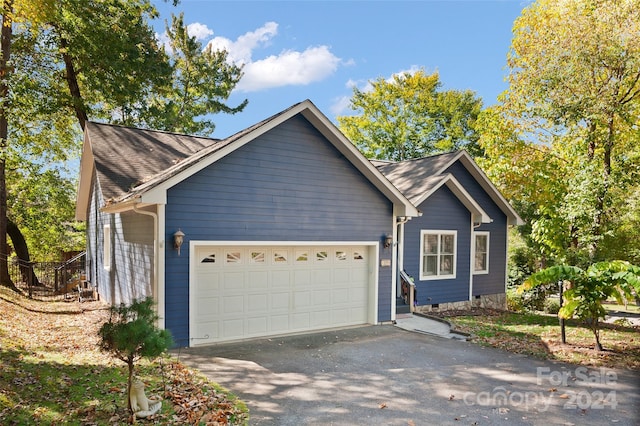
(441, 211)
(131, 273)
(288, 184)
(494, 282)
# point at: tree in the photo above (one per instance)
(67, 61)
(587, 289)
(410, 117)
(131, 334)
(573, 100)
(201, 80)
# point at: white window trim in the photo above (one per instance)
(438, 232)
(106, 247)
(486, 270)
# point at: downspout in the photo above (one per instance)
(155, 249)
(472, 256)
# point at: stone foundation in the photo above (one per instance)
(488, 301)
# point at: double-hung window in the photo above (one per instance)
(481, 253)
(438, 259)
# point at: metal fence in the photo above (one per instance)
(48, 280)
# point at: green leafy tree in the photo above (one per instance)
(410, 117)
(564, 138)
(586, 290)
(131, 334)
(66, 61)
(200, 82)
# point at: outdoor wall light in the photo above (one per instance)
(388, 240)
(178, 239)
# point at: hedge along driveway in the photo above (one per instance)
(385, 375)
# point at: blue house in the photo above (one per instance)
(454, 255)
(284, 227)
(276, 229)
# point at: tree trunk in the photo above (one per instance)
(22, 252)
(129, 385)
(596, 332)
(72, 81)
(5, 71)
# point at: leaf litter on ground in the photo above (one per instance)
(53, 372)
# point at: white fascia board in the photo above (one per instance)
(125, 206)
(512, 216)
(83, 194)
(479, 215)
(402, 205)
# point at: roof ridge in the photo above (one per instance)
(143, 129)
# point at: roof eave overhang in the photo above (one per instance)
(512, 216)
(125, 206)
(83, 194)
(477, 212)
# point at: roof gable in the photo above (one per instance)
(419, 178)
(123, 157)
(150, 188)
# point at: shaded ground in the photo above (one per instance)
(53, 373)
(385, 375)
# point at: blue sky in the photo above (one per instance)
(320, 50)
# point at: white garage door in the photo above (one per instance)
(243, 292)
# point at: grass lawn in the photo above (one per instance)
(539, 335)
(52, 372)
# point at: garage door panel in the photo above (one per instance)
(242, 292)
(320, 318)
(280, 323)
(280, 301)
(302, 278)
(321, 277)
(233, 328)
(233, 280)
(280, 279)
(340, 295)
(233, 304)
(322, 297)
(258, 280)
(301, 300)
(257, 326)
(300, 321)
(258, 302)
(208, 330)
(208, 309)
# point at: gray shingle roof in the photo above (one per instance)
(125, 157)
(416, 177)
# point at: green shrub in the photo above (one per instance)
(514, 301)
(552, 306)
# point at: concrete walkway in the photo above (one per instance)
(426, 325)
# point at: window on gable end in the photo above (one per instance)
(481, 252)
(438, 254)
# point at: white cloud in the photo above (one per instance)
(240, 51)
(288, 68)
(199, 31)
(340, 106)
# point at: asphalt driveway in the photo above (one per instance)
(383, 375)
